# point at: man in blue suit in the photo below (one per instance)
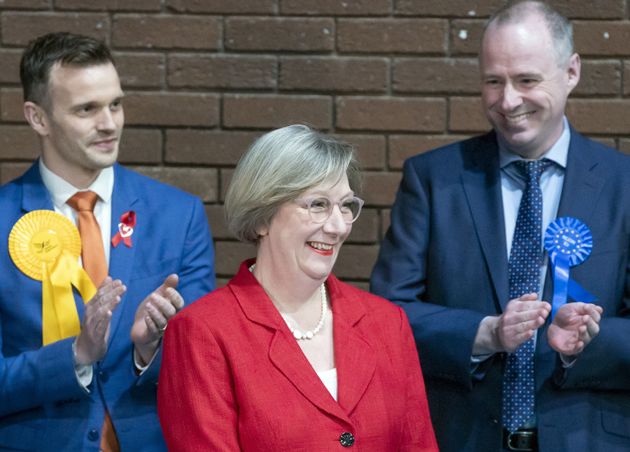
(94, 389)
(446, 258)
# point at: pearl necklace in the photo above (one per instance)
(297, 334)
(309, 334)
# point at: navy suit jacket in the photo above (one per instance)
(42, 406)
(444, 260)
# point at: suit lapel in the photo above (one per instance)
(481, 180)
(121, 258)
(284, 352)
(583, 180)
(286, 355)
(582, 185)
(355, 358)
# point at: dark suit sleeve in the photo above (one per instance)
(196, 402)
(196, 272)
(444, 335)
(418, 432)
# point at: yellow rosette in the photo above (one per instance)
(46, 246)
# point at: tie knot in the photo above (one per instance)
(83, 201)
(532, 169)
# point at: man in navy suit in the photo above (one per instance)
(94, 389)
(445, 257)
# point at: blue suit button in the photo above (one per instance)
(104, 376)
(93, 434)
(346, 439)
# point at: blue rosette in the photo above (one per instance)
(569, 243)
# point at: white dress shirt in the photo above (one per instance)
(551, 182)
(61, 191)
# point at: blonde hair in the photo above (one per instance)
(279, 167)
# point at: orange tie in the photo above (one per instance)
(92, 252)
(94, 263)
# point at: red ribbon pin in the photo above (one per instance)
(125, 229)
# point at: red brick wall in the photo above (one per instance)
(394, 77)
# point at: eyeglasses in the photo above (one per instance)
(320, 208)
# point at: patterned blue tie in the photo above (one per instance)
(524, 273)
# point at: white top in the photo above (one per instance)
(329, 378)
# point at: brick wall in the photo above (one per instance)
(394, 77)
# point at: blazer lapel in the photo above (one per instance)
(121, 258)
(583, 180)
(482, 184)
(284, 352)
(582, 185)
(355, 358)
(289, 359)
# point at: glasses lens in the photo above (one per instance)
(319, 208)
(350, 209)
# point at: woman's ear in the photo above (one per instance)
(262, 231)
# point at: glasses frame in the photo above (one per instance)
(306, 203)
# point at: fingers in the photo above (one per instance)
(592, 328)
(155, 329)
(175, 299)
(106, 299)
(160, 307)
(590, 320)
(522, 317)
(166, 304)
(574, 327)
(171, 281)
(168, 291)
(91, 344)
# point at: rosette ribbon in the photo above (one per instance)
(125, 229)
(59, 313)
(569, 243)
(46, 247)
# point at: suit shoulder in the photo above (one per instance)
(11, 200)
(453, 153)
(616, 162)
(614, 156)
(9, 190)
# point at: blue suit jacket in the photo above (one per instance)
(444, 260)
(42, 406)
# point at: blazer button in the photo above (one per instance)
(346, 439)
(93, 435)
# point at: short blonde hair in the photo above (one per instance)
(278, 168)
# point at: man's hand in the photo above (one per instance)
(152, 317)
(522, 317)
(574, 326)
(518, 323)
(91, 344)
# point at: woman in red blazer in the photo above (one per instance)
(286, 356)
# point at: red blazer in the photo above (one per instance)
(234, 378)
